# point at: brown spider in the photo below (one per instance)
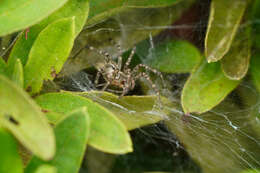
(124, 78)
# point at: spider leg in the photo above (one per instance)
(129, 59)
(97, 78)
(119, 62)
(144, 75)
(105, 86)
(125, 90)
(114, 91)
(99, 85)
(139, 66)
(100, 52)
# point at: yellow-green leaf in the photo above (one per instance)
(20, 14)
(22, 47)
(49, 52)
(224, 19)
(17, 76)
(20, 114)
(46, 169)
(9, 159)
(107, 132)
(206, 87)
(72, 133)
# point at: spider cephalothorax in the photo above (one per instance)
(122, 77)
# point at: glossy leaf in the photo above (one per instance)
(71, 134)
(9, 159)
(77, 8)
(255, 70)
(224, 19)
(46, 169)
(49, 53)
(174, 57)
(20, 115)
(101, 9)
(17, 75)
(206, 87)
(236, 62)
(128, 108)
(107, 132)
(20, 14)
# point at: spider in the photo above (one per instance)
(122, 77)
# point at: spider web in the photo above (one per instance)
(222, 140)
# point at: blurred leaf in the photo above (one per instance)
(77, 8)
(224, 19)
(17, 76)
(236, 62)
(255, 70)
(128, 108)
(147, 26)
(49, 53)
(206, 87)
(20, 14)
(71, 134)
(46, 169)
(9, 159)
(102, 9)
(3, 66)
(174, 57)
(24, 119)
(107, 133)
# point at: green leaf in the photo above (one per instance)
(49, 53)
(22, 47)
(20, 14)
(128, 108)
(251, 171)
(174, 57)
(236, 62)
(17, 76)
(9, 159)
(3, 66)
(224, 19)
(46, 169)
(256, 26)
(255, 70)
(101, 9)
(206, 87)
(107, 132)
(20, 115)
(71, 134)
(150, 3)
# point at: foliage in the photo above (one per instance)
(41, 53)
